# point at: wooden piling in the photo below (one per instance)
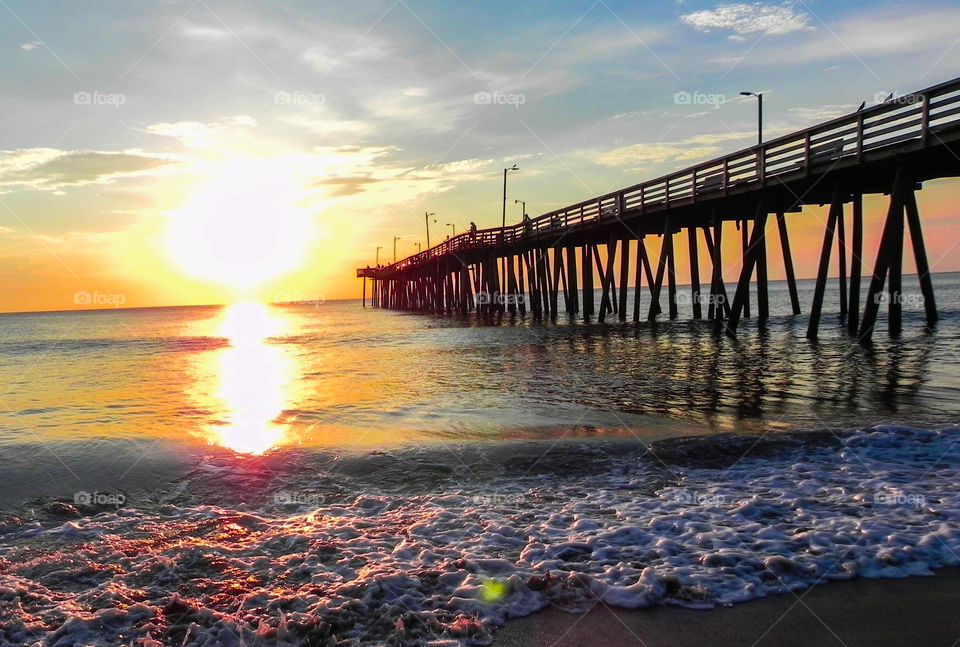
(882, 264)
(624, 278)
(856, 262)
(572, 279)
(751, 252)
(694, 272)
(586, 267)
(836, 207)
(920, 258)
(788, 263)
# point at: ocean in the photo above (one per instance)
(330, 474)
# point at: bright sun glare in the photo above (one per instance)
(243, 226)
(252, 376)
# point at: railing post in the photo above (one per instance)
(806, 153)
(762, 161)
(859, 137)
(726, 174)
(925, 118)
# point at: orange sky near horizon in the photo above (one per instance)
(50, 273)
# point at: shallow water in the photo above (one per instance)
(301, 475)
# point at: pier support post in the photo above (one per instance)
(624, 278)
(719, 303)
(788, 263)
(920, 257)
(666, 250)
(586, 267)
(884, 254)
(836, 208)
(842, 261)
(574, 305)
(555, 281)
(751, 252)
(856, 262)
(744, 246)
(671, 278)
(606, 275)
(694, 272)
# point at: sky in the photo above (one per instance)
(206, 151)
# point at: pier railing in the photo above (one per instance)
(915, 117)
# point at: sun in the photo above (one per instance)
(243, 226)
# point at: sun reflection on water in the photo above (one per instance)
(252, 377)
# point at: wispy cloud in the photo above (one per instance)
(195, 134)
(742, 18)
(50, 169)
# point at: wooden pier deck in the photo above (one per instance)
(890, 149)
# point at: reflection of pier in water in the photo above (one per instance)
(886, 149)
(719, 383)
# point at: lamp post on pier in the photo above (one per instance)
(512, 168)
(450, 224)
(379, 247)
(426, 219)
(759, 96)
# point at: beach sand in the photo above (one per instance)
(912, 611)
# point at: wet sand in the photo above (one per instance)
(911, 611)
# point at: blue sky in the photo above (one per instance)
(373, 109)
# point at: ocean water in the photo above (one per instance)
(328, 474)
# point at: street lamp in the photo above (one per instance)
(379, 247)
(395, 239)
(426, 219)
(450, 224)
(523, 206)
(418, 248)
(512, 168)
(759, 97)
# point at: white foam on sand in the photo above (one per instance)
(445, 568)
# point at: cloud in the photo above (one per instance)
(51, 169)
(347, 185)
(816, 114)
(30, 45)
(196, 134)
(744, 18)
(351, 170)
(699, 148)
(204, 33)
